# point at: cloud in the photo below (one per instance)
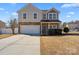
(2, 9)
(70, 5)
(71, 13)
(68, 16)
(14, 13)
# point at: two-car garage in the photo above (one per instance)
(30, 29)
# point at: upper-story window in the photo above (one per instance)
(44, 16)
(24, 15)
(52, 16)
(35, 15)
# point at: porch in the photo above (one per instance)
(45, 26)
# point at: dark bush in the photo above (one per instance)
(55, 32)
(66, 30)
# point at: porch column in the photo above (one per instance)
(57, 26)
(46, 28)
(19, 28)
(48, 25)
(41, 29)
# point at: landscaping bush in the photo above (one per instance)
(55, 32)
(66, 30)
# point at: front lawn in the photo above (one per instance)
(52, 45)
(5, 35)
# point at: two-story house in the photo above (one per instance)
(37, 22)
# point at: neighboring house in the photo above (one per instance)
(37, 22)
(2, 25)
(8, 30)
(4, 29)
(73, 26)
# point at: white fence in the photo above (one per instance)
(7, 30)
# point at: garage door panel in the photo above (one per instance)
(30, 29)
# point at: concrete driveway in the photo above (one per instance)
(20, 45)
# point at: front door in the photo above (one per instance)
(44, 29)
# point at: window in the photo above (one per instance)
(54, 26)
(50, 16)
(35, 15)
(50, 27)
(44, 16)
(54, 16)
(24, 15)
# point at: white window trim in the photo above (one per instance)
(26, 15)
(46, 16)
(33, 15)
(56, 15)
(52, 15)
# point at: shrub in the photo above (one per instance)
(55, 32)
(66, 30)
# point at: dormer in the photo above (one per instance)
(53, 14)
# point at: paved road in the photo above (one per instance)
(20, 45)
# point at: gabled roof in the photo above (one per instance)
(53, 9)
(21, 9)
(28, 5)
(50, 10)
(2, 22)
(33, 7)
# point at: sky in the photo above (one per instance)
(68, 12)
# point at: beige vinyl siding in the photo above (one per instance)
(30, 11)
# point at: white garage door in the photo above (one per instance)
(30, 29)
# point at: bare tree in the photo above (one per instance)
(13, 25)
